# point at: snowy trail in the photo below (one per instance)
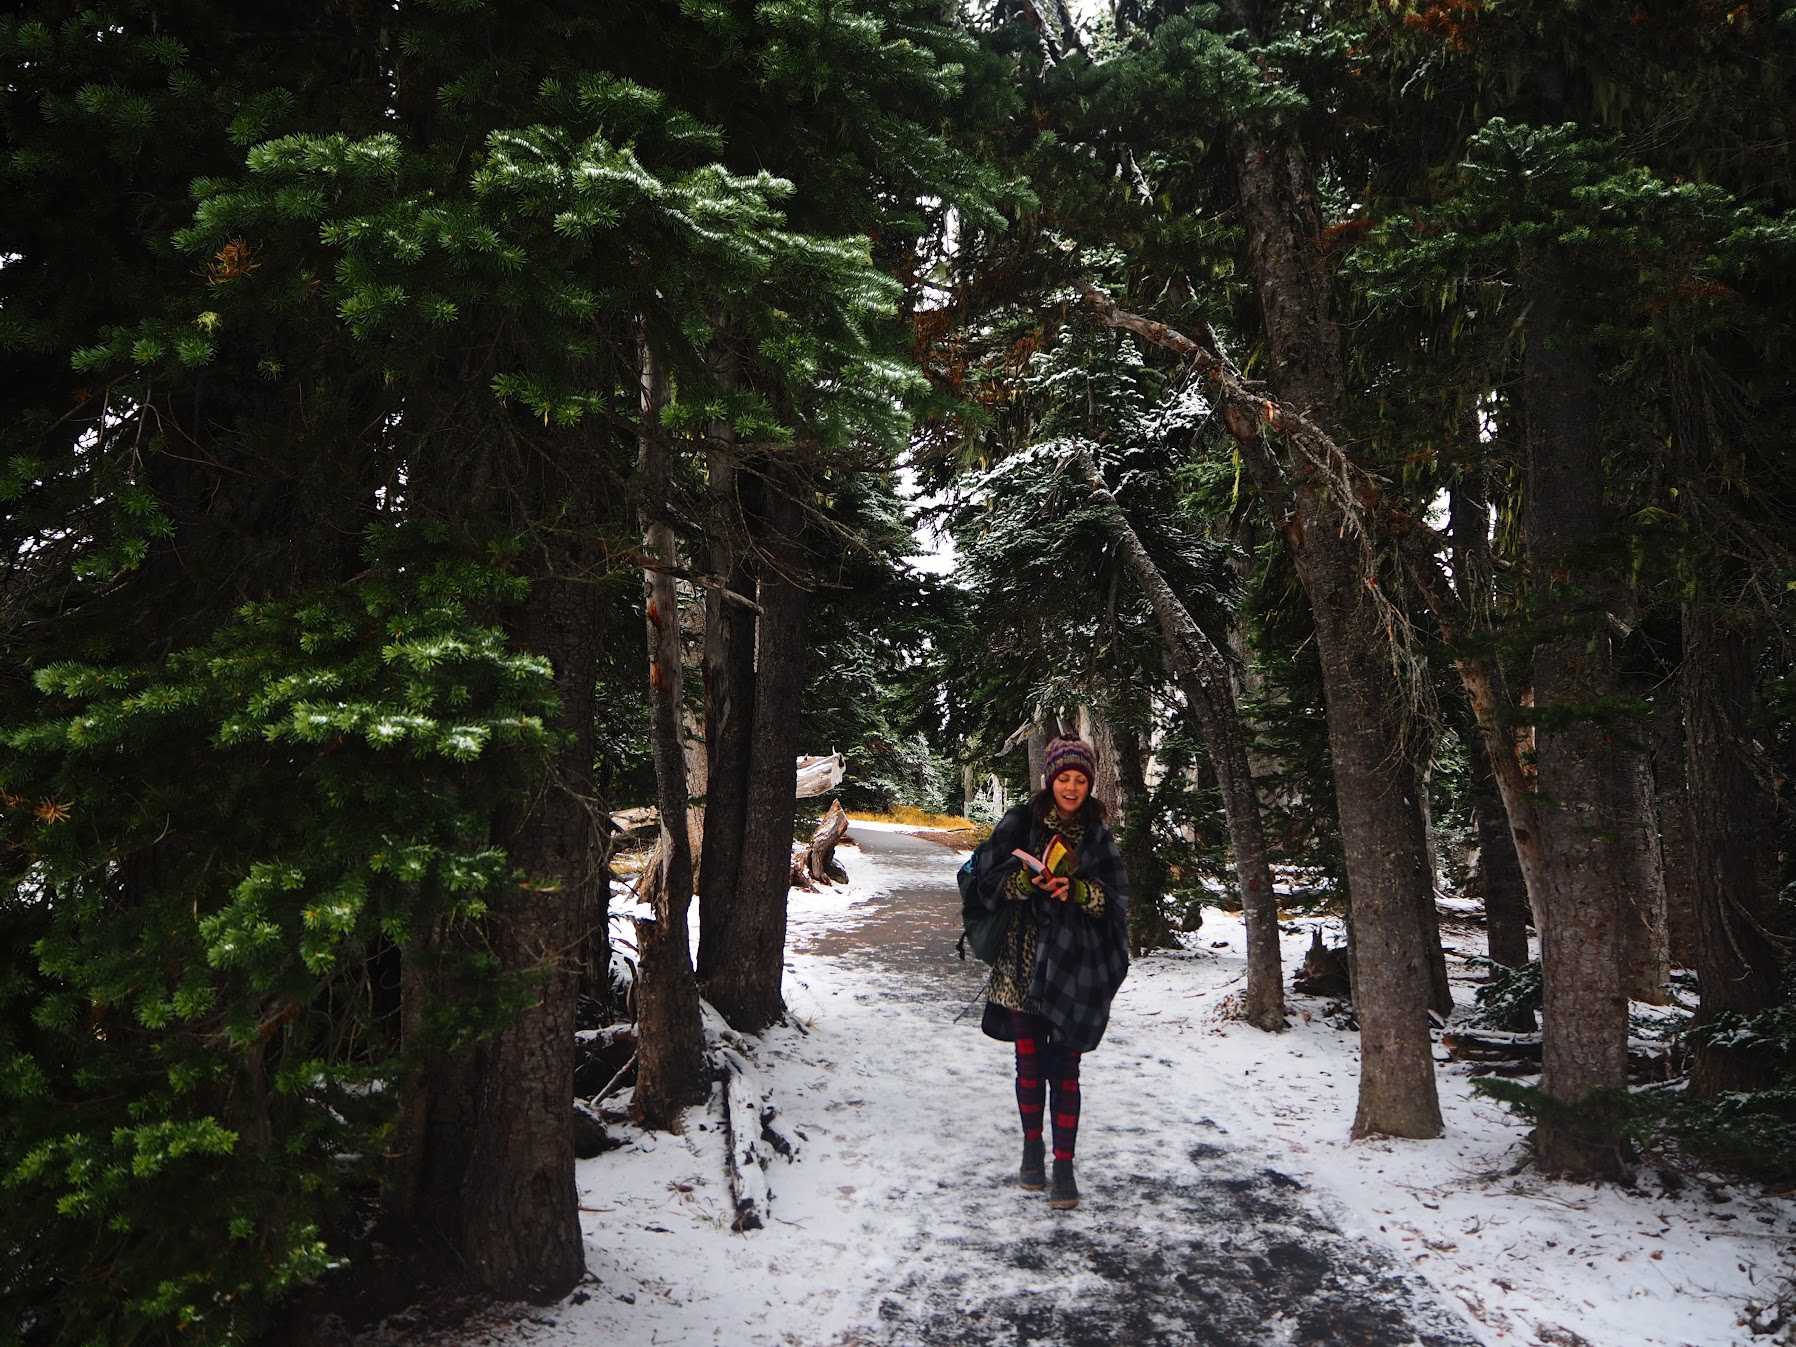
(1224, 1204)
(1180, 1238)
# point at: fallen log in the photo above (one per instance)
(819, 775)
(590, 1136)
(748, 1121)
(813, 775)
(1463, 1045)
(743, 1101)
(774, 1137)
(816, 863)
(1500, 1054)
(639, 820)
(599, 1055)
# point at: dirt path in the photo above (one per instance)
(911, 930)
(1183, 1239)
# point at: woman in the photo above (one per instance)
(1064, 952)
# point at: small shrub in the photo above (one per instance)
(1511, 999)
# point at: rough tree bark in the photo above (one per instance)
(1203, 675)
(1671, 804)
(1109, 786)
(729, 699)
(744, 985)
(1732, 808)
(1376, 789)
(670, 1067)
(1645, 950)
(1584, 1011)
(1505, 891)
(484, 1156)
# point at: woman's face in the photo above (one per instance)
(1070, 789)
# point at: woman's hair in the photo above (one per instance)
(1092, 811)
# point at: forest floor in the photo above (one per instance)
(1224, 1204)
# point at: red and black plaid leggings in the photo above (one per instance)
(1040, 1062)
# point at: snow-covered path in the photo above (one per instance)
(900, 1223)
(1223, 1205)
(1180, 1239)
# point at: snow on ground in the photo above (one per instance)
(904, 1121)
(1529, 1259)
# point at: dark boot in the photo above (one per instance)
(1064, 1195)
(1034, 1174)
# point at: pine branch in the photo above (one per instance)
(1369, 510)
(1244, 411)
(1186, 641)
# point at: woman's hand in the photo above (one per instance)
(1055, 886)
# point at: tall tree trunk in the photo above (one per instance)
(1148, 927)
(1645, 951)
(1500, 882)
(484, 1156)
(1585, 1006)
(670, 1059)
(1203, 675)
(692, 733)
(1428, 916)
(1732, 808)
(1038, 756)
(729, 720)
(1109, 785)
(1381, 838)
(1375, 779)
(1671, 804)
(1505, 892)
(518, 1199)
(1263, 1001)
(729, 697)
(745, 984)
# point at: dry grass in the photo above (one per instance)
(912, 817)
(629, 862)
(951, 830)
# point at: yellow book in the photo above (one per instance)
(1058, 858)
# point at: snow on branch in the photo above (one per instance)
(1366, 509)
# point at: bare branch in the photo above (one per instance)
(699, 578)
(1322, 465)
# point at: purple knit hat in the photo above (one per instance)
(1069, 753)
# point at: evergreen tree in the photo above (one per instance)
(1616, 158)
(895, 77)
(301, 762)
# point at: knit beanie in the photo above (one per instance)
(1069, 753)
